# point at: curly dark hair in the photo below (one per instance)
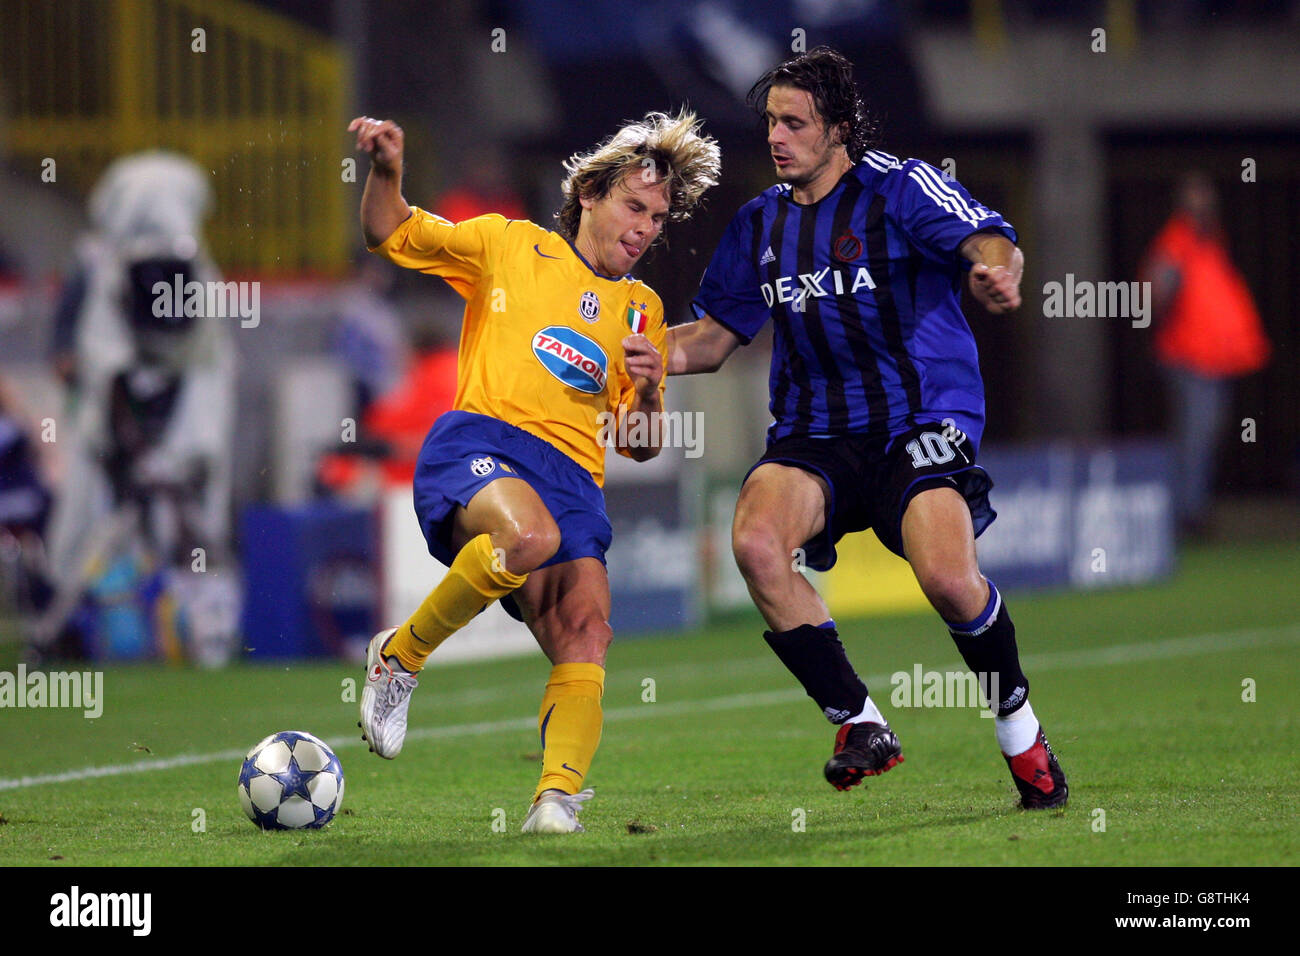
(827, 76)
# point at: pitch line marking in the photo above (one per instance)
(1173, 647)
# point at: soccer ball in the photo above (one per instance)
(291, 781)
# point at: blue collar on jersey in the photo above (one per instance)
(583, 260)
(789, 191)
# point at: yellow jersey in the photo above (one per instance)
(541, 340)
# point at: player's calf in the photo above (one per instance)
(987, 643)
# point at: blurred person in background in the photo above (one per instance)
(393, 425)
(1208, 333)
(369, 339)
(149, 419)
(24, 510)
(858, 259)
(556, 334)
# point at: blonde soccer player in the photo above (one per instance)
(556, 335)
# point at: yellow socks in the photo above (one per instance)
(569, 723)
(570, 718)
(474, 581)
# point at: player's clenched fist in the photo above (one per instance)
(382, 139)
(996, 287)
(644, 364)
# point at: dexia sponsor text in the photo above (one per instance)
(75, 908)
(53, 689)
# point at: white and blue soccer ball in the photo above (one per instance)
(291, 781)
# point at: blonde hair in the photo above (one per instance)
(685, 160)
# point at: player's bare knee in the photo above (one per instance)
(759, 554)
(956, 595)
(528, 547)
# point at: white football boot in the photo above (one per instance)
(385, 699)
(556, 812)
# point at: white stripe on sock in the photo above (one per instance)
(871, 713)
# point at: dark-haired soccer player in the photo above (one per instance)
(556, 336)
(858, 259)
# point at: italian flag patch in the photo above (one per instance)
(636, 318)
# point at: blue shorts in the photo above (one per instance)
(464, 452)
(871, 480)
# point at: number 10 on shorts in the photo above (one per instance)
(930, 448)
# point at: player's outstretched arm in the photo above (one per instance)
(382, 207)
(996, 267)
(700, 346)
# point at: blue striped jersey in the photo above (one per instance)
(863, 288)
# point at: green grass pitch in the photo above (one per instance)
(1141, 692)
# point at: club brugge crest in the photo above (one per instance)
(482, 467)
(589, 306)
(847, 247)
(571, 357)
